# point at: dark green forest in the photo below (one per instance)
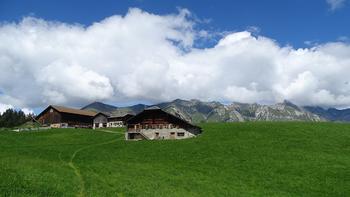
(12, 118)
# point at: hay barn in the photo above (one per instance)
(60, 117)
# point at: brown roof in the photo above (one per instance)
(159, 110)
(121, 116)
(73, 111)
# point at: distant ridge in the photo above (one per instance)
(331, 114)
(100, 107)
(197, 111)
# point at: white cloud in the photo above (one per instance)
(335, 4)
(142, 56)
(27, 111)
(4, 107)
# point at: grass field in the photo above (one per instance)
(232, 159)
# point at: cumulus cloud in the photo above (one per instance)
(335, 4)
(143, 56)
(4, 107)
(27, 111)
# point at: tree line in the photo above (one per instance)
(12, 118)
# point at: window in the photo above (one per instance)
(51, 110)
(172, 135)
(181, 134)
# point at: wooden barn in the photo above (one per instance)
(154, 123)
(102, 120)
(58, 116)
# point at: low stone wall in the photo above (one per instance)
(31, 129)
(115, 124)
(175, 133)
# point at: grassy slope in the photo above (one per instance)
(242, 159)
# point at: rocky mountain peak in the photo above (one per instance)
(100, 107)
(196, 111)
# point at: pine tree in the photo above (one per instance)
(11, 118)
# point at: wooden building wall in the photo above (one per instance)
(156, 119)
(76, 120)
(52, 116)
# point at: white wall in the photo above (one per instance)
(166, 133)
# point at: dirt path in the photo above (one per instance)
(81, 179)
(76, 169)
(108, 131)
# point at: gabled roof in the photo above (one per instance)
(153, 108)
(101, 113)
(73, 111)
(108, 116)
(121, 116)
(160, 111)
(69, 111)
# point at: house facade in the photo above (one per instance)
(155, 124)
(118, 121)
(62, 117)
(102, 120)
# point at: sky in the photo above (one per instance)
(125, 52)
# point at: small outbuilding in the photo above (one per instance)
(154, 123)
(119, 121)
(102, 120)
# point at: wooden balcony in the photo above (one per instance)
(139, 127)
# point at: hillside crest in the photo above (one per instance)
(197, 111)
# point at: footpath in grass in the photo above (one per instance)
(228, 159)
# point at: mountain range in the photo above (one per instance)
(197, 111)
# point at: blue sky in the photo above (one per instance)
(126, 52)
(291, 22)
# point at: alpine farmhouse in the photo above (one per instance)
(154, 123)
(150, 124)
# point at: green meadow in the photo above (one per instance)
(228, 159)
